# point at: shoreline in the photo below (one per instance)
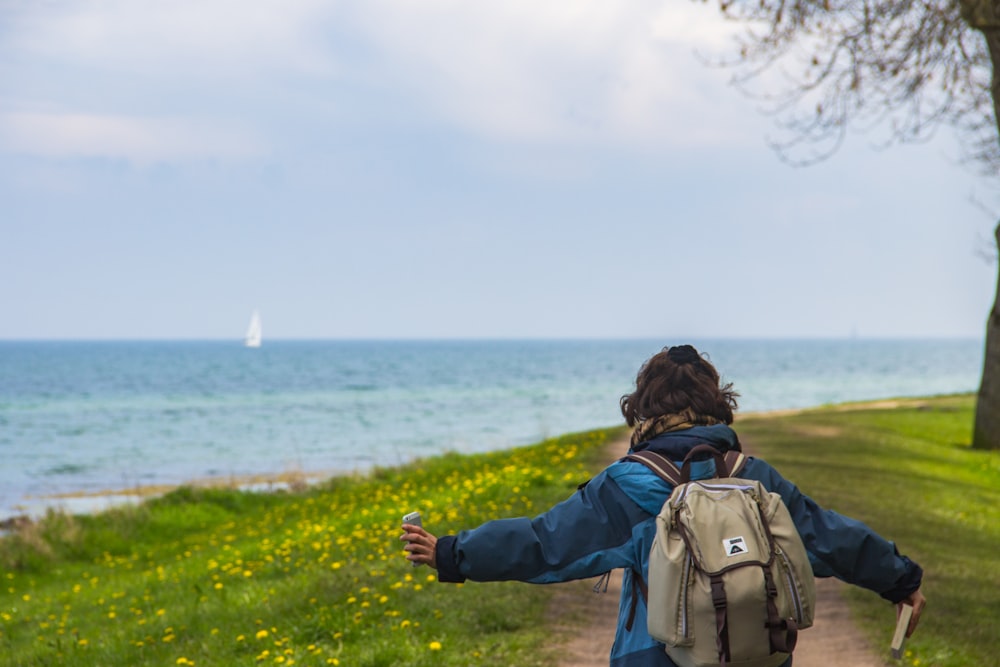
(32, 508)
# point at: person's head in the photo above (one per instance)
(676, 380)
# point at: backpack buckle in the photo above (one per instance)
(718, 593)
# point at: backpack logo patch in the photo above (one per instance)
(734, 546)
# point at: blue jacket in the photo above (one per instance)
(610, 522)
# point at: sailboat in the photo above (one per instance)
(253, 331)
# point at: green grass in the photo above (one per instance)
(223, 577)
(909, 473)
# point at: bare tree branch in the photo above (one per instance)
(902, 67)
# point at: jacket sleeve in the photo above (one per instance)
(840, 546)
(584, 536)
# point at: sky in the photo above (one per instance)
(447, 169)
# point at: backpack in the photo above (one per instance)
(729, 579)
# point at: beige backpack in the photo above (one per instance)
(729, 579)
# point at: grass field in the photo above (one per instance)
(908, 472)
(223, 577)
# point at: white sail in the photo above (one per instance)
(253, 331)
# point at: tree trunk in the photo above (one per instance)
(986, 434)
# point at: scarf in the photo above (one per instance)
(650, 428)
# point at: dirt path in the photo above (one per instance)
(833, 641)
(589, 620)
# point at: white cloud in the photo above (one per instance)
(587, 72)
(197, 37)
(138, 140)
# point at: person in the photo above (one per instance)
(679, 402)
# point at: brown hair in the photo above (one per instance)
(676, 379)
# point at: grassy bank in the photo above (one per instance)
(909, 473)
(213, 577)
(217, 577)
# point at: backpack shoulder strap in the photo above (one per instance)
(659, 464)
(735, 461)
(668, 471)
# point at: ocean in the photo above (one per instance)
(79, 418)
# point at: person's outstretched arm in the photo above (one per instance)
(846, 548)
(586, 535)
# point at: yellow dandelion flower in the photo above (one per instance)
(261, 634)
(434, 646)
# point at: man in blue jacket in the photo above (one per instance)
(679, 402)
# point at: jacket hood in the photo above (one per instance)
(676, 444)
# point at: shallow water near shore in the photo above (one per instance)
(81, 418)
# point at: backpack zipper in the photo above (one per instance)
(790, 580)
(685, 585)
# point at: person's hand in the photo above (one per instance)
(422, 546)
(917, 601)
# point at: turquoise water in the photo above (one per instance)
(88, 416)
